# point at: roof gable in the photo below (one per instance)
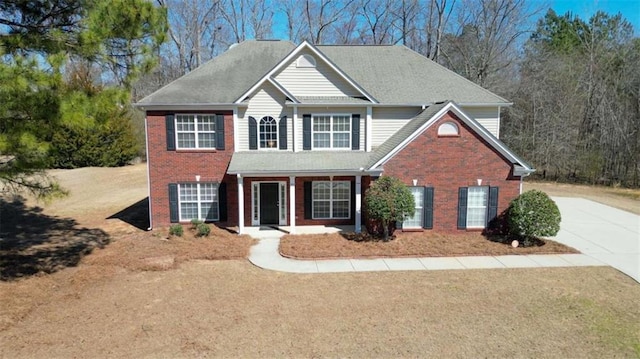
(292, 57)
(423, 121)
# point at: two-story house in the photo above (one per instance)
(270, 133)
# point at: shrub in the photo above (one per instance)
(176, 230)
(195, 222)
(202, 230)
(533, 214)
(388, 200)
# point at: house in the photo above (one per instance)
(270, 133)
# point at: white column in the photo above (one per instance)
(240, 205)
(292, 204)
(358, 203)
(368, 127)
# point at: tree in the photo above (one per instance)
(388, 200)
(38, 41)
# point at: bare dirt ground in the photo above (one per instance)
(117, 291)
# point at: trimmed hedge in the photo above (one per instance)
(533, 214)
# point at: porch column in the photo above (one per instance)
(369, 132)
(292, 204)
(240, 204)
(358, 226)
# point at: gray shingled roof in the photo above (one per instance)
(225, 78)
(404, 132)
(398, 75)
(306, 161)
(391, 74)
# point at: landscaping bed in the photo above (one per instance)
(419, 244)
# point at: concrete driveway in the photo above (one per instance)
(605, 233)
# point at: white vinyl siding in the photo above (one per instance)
(198, 201)
(488, 117)
(477, 198)
(267, 101)
(331, 199)
(321, 80)
(388, 120)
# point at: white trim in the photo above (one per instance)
(292, 204)
(331, 199)
(479, 129)
(358, 204)
(195, 130)
(290, 57)
(240, 204)
(259, 125)
(331, 132)
(198, 200)
(236, 137)
(369, 129)
(284, 91)
(255, 198)
(294, 127)
(485, 207)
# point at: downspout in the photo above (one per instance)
(146, 145)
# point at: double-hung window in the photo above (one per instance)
(477, 198)
(198, 201)
(417, 220)
(331, 199)
(332, 131)
(196, 131)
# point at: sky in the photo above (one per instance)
(630, 9)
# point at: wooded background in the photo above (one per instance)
(574, 83)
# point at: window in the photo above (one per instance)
(331, 131)
(417, 220)
(196, 131)
(268, 132)
(477, 207)
(198, 201)
(448, 129)
(331, 199)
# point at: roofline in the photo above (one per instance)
(486, 104)
(479, 129)
(283, 90)
(308, 173)
(295, 51)
(188, 106)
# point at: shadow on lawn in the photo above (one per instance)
(136, 214)
(33, 242)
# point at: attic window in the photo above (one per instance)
(448, 129)
(306, 61)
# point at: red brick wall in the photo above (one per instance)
(447, 163)
(183, 165)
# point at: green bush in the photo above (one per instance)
(202, 230)
(195, 222)
(176, 230)
(533, 214)
(388, 200)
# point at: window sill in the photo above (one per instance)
(412, 229)
(187, 150)
(445, 136)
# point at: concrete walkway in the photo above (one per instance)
(266, 255)
(604, 233)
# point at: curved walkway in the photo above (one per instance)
(265, 254)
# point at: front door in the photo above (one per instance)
(269, 206)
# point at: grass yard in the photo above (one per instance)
(115, 290)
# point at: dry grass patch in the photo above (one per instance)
(157, 250)
(423, 244)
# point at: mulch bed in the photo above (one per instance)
(419, 244)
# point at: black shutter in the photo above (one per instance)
(222, 202)
(355, 131)
(428, 208)
(173, 203)
(352, 210)
(306, 132)
(253, 133)
(462, 207)
(493, 204)
(220, 132)
(171, 133)
(308, 201)
(282, 129)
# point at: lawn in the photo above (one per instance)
(115, 290)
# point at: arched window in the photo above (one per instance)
(268, 132)
(306, 61)
(448, 129)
